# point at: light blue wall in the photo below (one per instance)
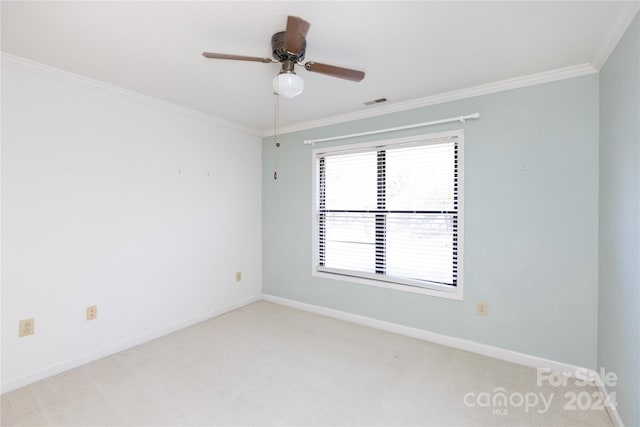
(531, 239)
(619, 294)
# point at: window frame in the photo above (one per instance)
(443, 291)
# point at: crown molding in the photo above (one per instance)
(14, 59)
(485, 89)
(616, 34)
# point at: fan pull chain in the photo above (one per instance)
(275, 135)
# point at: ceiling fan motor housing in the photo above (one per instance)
(279, 51)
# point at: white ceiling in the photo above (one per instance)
(408, 50)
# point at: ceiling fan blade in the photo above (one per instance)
(333, 71)
(294, 36)
(213, 55)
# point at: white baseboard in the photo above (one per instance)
(611, 408)
(462, 344)
(15, 383)
(459, 343)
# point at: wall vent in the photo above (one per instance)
(376, 101)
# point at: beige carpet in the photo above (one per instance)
(271, 365)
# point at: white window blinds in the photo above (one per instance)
(390, 212)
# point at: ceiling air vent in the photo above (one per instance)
(376, 101)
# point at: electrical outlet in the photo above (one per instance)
(26, 327)
(238, 276)
(481, 308)
(92, 312)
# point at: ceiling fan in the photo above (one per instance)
(289, 49)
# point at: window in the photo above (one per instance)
(389, 213)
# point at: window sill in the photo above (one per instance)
(445, 292)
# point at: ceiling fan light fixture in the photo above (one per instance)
(288, 84)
